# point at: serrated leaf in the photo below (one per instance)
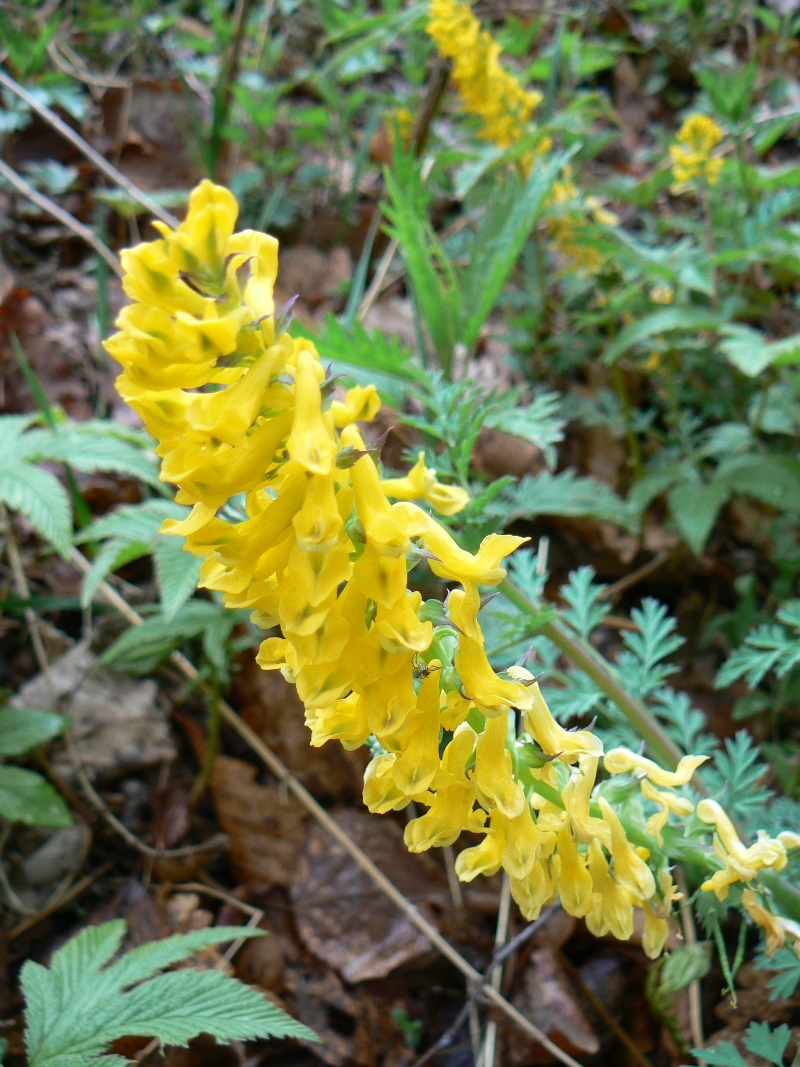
(28, 798)
(111, 556)
(560, 494)
(42, 499)
(178, 1005)
(666, 320)
(694, 507)
(80, 1005)
(177, 574)
(21, 729)
(93, 447)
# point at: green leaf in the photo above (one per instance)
(42, 499)
(79, 1006)
(507, 224)
(772, 480)
(761, 1040)
(666, 320)
(433, 281)
(97, 446)
(22, 729)
(177, 574)
(685, 965)
(27, 797)
(142, 648)
(560, 494)
(694, 507)
(750, 352)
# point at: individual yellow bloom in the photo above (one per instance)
(662, 294)
(552, 738)
(418, 761)
(381, 793)
(523, 844)
(535, 891)
(311, 442)
(572, 876)
(691, 155)
(344, 721)
(486, 857)
(741, 864)
(399, 628)
(213, 473)
(361, 404)
(420, 484)
(630, 870)
(669, 803)
(494, 777)
(577, 794)
(258, 252)
(385, 526)
(452, 809)
(200, 244)
(657, 915)
(151, 279)
(611, 907)
(776, 927)
(383, 578)
(450, 561)
(623, 761)
(480, 684)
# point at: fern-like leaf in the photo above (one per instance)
(81, 1004)
(759, 1039)
(561, 494)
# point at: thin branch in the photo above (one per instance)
(83, 146)
(50, 207)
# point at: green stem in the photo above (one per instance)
(212, 742)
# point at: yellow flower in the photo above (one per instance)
(611, 908)
(776, 927)
(523, 843)
(741, 864)
(623, 761)
(311, 442)
(487, 90)
(691, 155)
(486, 857)
(656, 914)
(494, 778)
(420, 484)
(572, 876)
(661, 294)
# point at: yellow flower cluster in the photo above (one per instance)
(487, 90)
(691, 155)
(564, 223)
(294, 521)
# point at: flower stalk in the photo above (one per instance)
(294, 520)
